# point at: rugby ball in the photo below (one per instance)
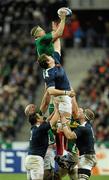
(65, 9)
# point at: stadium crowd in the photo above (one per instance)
(19, 79)
(19, 74)
(94, 92)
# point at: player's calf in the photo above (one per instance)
(84, 174)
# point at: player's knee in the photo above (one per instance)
(57, 176)
(74, 174)
(83, 177)
(84, 174)
(38, 177)
(48, 175)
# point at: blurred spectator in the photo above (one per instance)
(91, 37)
(78, 37)
(107, 33)
(72, 31)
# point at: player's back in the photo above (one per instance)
(56, 77)
(44, 45)
(85, 133)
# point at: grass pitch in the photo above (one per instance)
(23, 177)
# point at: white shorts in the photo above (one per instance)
(49, 162)
(34, 166)
(65, 104)
(87, 161)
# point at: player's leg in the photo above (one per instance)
(73, 174)
(49, 163)
(65, 106)
(28, 175)
(36, 175)
(35, 167)
(49, 174)
(86, 163)
(84, 174)
(27, 167)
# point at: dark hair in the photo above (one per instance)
(43, 61)
(32, 118)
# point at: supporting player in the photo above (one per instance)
(34, 161)
(84, 137)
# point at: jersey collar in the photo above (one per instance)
(84, 123)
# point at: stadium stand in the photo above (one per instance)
(90, 78)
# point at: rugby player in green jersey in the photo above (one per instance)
(49, 43)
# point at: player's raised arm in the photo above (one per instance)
(75, 108)
(67, 131)
(45, 102)
(55, 116)
(58, 33)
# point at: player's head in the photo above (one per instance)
(45, 61)
(89, 114)
(85, 114)
(34, 118)
(33, 114)
(37, 31)
(30, 109)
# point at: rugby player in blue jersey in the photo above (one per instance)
(38, 145)
(84, 137)
(57, 81)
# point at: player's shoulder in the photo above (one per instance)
(47, 34)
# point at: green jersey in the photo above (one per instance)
(51, 137)
(71, 143)
(44, 44)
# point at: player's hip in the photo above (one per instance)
(34, 162)
(65, 103)
(87, 161)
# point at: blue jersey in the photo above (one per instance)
(39, 139)
(85, 139)
(57, 78)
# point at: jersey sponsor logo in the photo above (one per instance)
(12, 161)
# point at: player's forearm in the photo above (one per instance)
(50, 117)
(75, 108)
(61, 27)
(67, 131)
(58, 33)
(45, 102)
(56, 92)
(43, 108)
(54, 118)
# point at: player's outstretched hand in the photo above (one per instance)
(62, 14)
